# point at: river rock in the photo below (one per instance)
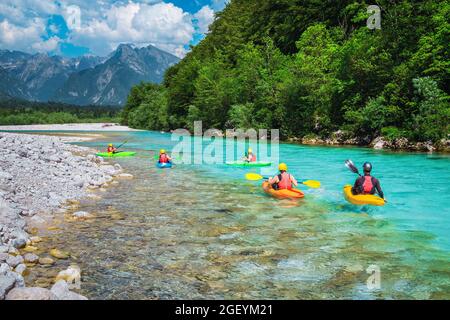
(6, 284)
(61, 290)
(59, 254)
(20, 269)
(30, 258)
(82, 214)
(31, 294)
(69, 275)
(13, 261)
(46, 261)
(125, 176)
(3, 257)
(30, 249)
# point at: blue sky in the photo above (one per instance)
(76, 27)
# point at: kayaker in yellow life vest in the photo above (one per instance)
(163, 157)
(284, 180)
(250, 157)
(111, 148)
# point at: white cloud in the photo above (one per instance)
(47, 45)
(26, 38)
(163, 24)
(103, 25)
(205, 16)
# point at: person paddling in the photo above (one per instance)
(284, 180)
(163, 157)
(250, 157)
(111, 148)
(367, 184)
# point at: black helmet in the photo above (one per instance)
(367, 167)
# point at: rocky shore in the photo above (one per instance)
(340, 138)
(39, 176)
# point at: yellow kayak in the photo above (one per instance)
(362, 199)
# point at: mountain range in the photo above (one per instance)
(83, 80)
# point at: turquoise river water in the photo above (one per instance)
(204, 232)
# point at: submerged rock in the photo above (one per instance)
(71, 274)
(59, 254)
(31, 294)
(46, 261)
(61, 290)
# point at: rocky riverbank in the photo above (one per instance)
(340, 138)
(39, 176)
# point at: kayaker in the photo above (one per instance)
(367, 184)
(284, 180)
(111, 148)
(250, 157)
(163, 157)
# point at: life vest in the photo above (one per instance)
(367, 185)
(163, 158)
(110, 149)
(252, 158)
(284, 181)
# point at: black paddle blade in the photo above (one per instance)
(349, 164)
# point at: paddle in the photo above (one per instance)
(121, 146)
(349, 164)
(309, 183)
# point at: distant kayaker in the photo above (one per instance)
(250, 157)
(163, 157)
(111, 148)
(284, 180)
(367, 184)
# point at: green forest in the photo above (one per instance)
(21, 112)
(310, 68)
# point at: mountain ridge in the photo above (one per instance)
(83, 80)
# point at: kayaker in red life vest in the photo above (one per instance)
(284, 180)
(163, 157)
(251, 157)
(111, 148)
(367, 184)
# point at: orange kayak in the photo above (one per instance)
(282, 194)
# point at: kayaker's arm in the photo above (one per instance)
(274, 180)
(378, 188)
(294, 181)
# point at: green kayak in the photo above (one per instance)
(116, 155)
(249, 164)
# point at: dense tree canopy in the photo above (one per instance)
(311, 67)
(21, 112)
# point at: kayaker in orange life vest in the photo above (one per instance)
(111, 148)
(163, 157)
(250, 157)
(284, 180)
(367, 184)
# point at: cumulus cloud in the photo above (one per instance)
(103, 26)
(26, 38)
(163, 24)
(48, 45)
(204, 17)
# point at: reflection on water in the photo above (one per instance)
(190, 233)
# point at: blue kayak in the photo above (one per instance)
(167, 165)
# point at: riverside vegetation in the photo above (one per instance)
(22, 112)
(316, 71)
